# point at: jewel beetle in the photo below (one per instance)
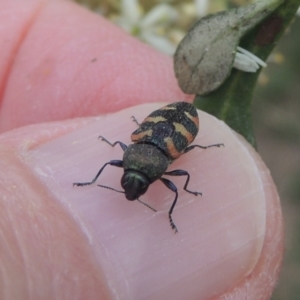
(160, 139)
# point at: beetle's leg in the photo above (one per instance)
(183, 173)
(202, 147)
(115, 163)
(170, 185)
(122, 145)
(135, 121)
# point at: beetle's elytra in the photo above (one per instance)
(160, 139)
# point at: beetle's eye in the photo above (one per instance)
(143, 188)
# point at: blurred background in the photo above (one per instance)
(276, 105)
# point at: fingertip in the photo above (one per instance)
(223, 236)
(261, 282)
(91, 67)
(41, 243)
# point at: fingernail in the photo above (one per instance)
(220, 234)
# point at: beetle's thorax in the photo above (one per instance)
(146, 159)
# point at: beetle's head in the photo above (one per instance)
(135, 184)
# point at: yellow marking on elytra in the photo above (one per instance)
(172, 151)
(181, 129)
(138, 136)
(193, 119)
(155, 119)
(168, 108)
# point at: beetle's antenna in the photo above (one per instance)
(122, 192)
(146, 204)
(110, 188)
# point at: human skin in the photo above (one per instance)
(60, 62)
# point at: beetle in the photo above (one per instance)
(159, 140)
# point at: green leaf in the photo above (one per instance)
(232, 101)
(204, 58)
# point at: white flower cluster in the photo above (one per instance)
(149, 28)
(246, 61)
